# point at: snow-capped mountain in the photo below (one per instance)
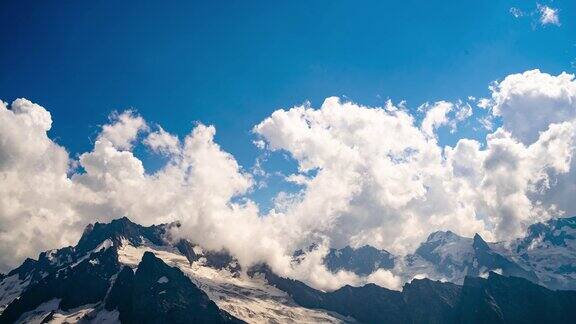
(124, 272)
(495, 299)
(546, 256)
(91, 281)
(549, 249)
(450, 257)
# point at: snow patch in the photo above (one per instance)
(104, 245)
(90, 313)
(198, 250)
(10, 288)
(162, 280)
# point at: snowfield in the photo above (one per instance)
(250, 299)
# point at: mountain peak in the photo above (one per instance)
(479, 242)
(24, 269)
(442, 236)
(119, 229)
(167, 295)
(123, 220)
(362, 261)
(166, 287)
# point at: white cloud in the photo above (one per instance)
(123, 129)
(517, 13)
(548, 15)
(383, 181)
(528, 102)
(162, 142)
(310, 269)
(386, 279)
(34, 189)
(487, 122)
(368, 175)
(483, 103)
(42, 207)
(462, 111)
(436, 116)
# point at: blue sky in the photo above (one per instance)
(230, 64)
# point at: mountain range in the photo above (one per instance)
(125, 272)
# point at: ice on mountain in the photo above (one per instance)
(162, 280)
(250, 299)
(10, 288)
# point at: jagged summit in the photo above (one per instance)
(453, 257)
(362, 261)
(24, 269)
(479, 242)
(118, 229)
(442, 236)
(215, 259)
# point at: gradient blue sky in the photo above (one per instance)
(231, 63)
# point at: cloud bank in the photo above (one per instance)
(367, 175)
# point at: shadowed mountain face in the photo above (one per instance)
(124, 272)
(74, 285)
(498, 299)
(362, 261)
(489, 259)
(91, 274)
(120, 229)
(157, 293)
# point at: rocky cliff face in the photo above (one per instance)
(158, 293)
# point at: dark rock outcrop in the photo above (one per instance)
(84, 283)
(214, 259)
(25, 269)
(362, 261)
(117, 230)
(501, 299)
(490, 259)
(367, 304)
(158, 293)
(431, 301)
(498, 299)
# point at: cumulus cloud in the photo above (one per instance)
(34, 187)
(548, 15)
(528, 102)
(366, 175)
(383, 181)
(162, 142)
(45, 203)
(385, 278)
(123, 129)
(436, 116)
